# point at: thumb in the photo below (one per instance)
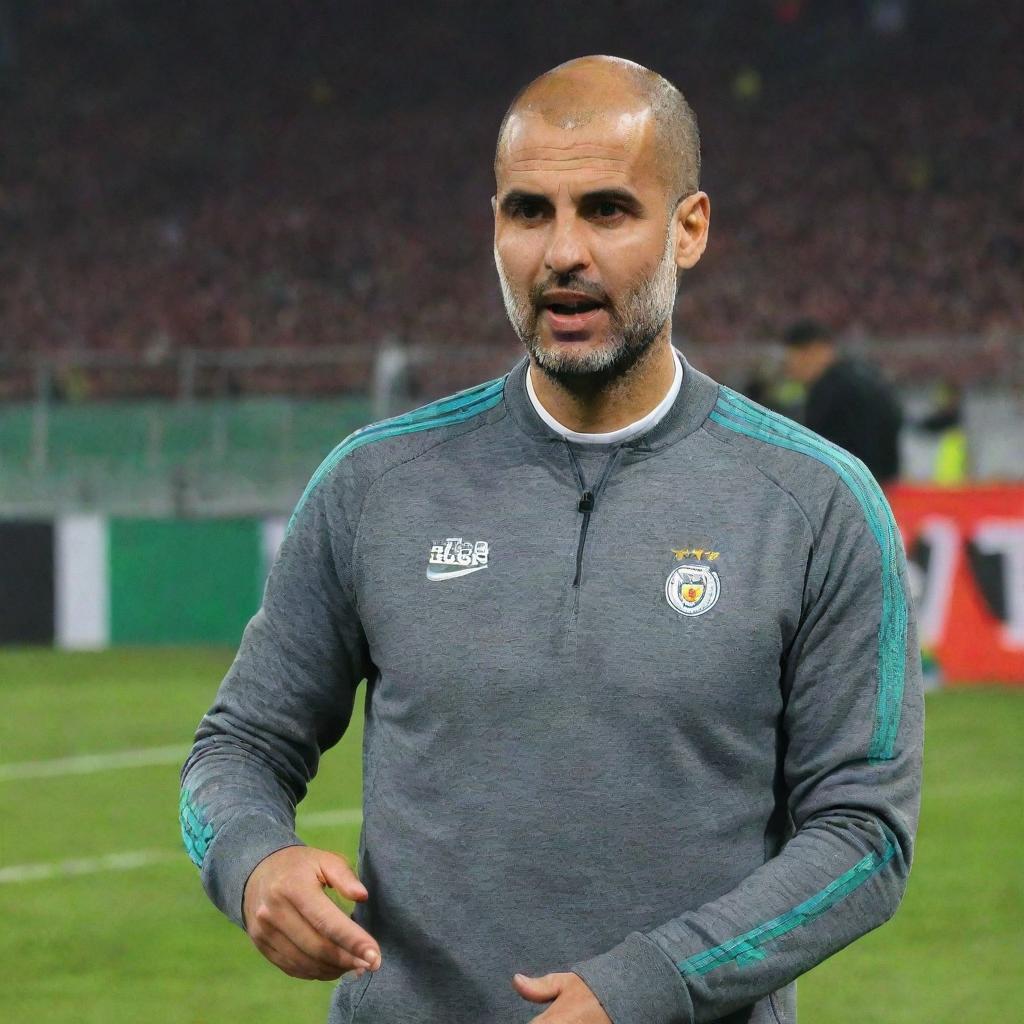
(537, 990)
(335, 872)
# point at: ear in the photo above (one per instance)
(693, 216)
(494, 205)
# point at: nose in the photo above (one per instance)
(567, 251)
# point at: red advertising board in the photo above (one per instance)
(966, 552)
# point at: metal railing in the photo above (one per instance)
(230, 433)
(187, 374)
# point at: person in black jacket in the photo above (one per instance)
(848, 402)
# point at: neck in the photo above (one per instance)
(601, 406)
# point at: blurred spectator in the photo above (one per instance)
(848, 401)
(945, 423)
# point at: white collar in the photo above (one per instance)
(640, 426)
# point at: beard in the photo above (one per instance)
(635, 322)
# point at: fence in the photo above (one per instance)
(153, 457)
(185, 374)
(251, 454)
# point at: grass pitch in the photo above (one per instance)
(105, 920)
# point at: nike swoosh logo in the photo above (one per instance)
(436, 575)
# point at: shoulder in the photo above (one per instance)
(813, 471)
(368, 453)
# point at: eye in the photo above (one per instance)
(607, 210)
(527, 209)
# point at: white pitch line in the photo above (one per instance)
(132, 859)
(344, 816)
(86, 764)
(86, 866)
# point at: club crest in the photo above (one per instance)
(692, 589)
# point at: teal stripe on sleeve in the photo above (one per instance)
(747, 949)
(452, 403)
(741, 416)
(445, 412)
(196, 832)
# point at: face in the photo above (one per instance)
(587, 241)
(805, 363)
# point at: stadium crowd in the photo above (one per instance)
(258, 180)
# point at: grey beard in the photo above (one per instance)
(646, 310)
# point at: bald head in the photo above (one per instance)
(582, 91)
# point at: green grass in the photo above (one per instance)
(145, 945)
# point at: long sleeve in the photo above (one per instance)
(286, 698)
(852, 739)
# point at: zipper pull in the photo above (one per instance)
(586, 502)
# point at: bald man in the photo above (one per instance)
(642, 714)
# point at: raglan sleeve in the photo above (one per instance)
(287, 697)
(852, 731)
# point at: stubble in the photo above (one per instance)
(635, 323)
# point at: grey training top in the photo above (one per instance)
(648, 712)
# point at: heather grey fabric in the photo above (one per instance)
(689, 778)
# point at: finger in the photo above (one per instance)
(336, 873)
(284, 954)
(538, 990)
(291, 923)
(334, 924)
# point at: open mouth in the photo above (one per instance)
(569, 313)
(574, 308)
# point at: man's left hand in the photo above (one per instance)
(571, 1000)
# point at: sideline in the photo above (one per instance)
(134, 859)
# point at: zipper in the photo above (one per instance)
(588, 503)
(586, 506)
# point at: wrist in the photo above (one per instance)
(238, 848)
(637, 983)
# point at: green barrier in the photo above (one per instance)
(153, 434)
(183, 581)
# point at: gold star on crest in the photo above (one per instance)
(696, 553)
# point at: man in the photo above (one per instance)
(642, 733)
(951, 462)
(848, 401)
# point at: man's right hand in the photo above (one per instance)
(293, 922)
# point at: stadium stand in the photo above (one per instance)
(171, 186)
(222, 202)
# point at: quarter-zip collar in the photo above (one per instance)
(693, 404)
(623, 434)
